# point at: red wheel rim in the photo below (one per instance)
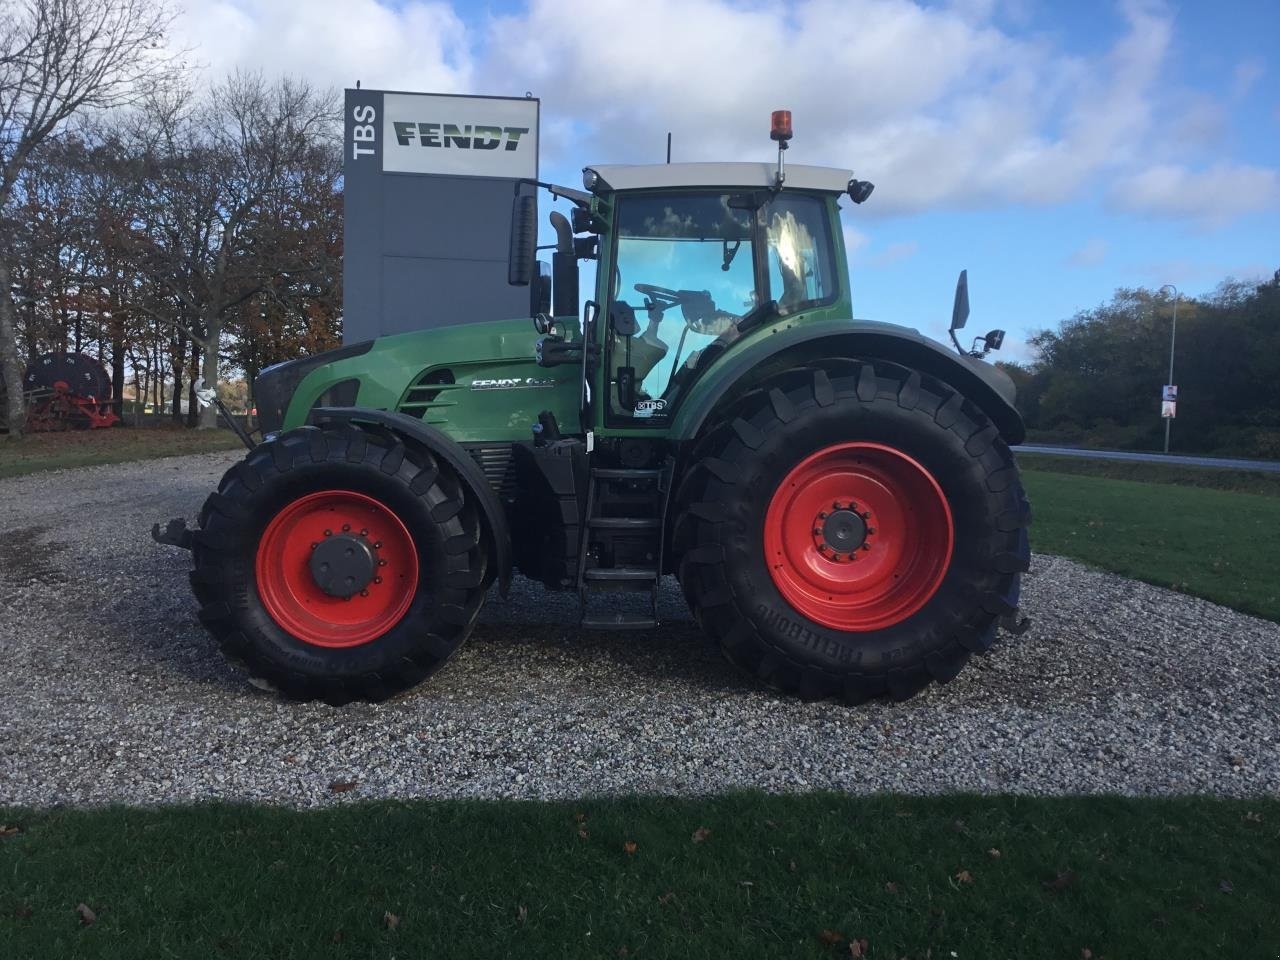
(296, 601)
(887, 574)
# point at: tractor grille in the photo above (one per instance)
(496, 462)
(428, 397)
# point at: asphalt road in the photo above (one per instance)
(1222, 463)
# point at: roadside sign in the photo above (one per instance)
(1169, 393)
(1169, 409)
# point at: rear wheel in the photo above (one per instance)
(339, 564)
(852, 529)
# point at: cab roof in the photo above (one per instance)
(657, 176)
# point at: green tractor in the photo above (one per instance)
(836, 497)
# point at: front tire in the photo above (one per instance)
(852, 529)
(337, 563)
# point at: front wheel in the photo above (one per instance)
(339, 564)
(852, 529)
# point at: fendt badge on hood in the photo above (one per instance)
(511, 383)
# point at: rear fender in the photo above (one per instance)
(985, 385)
(440, 444)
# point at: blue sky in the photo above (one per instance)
(1055, 150)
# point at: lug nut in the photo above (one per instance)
(314, 545)
(378, 545)
(346, 527)
(364, 593)
(382, 563)
(866, 546)
(817, 532)
(822, 516)
(377, 579)
(328, 533)
(870, 530)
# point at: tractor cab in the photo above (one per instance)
(692, 258)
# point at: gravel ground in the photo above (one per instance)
(110, 691)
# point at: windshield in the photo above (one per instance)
(687, 265)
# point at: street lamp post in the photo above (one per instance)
(1173, 337)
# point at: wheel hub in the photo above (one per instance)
(841, 532)
(343, 565)
(336, 568)
(858, 536)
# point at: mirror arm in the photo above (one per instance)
(577, 197)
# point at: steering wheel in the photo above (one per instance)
(664, 296)
(701, 315)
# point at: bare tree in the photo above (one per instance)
(219, 183)
(59, 58)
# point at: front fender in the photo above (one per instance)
(988, 387)
(446, 448)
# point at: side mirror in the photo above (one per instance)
(960, 309)
(524, 240)
(994, 339)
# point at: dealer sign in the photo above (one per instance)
(459, 136)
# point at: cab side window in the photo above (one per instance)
(800, 271)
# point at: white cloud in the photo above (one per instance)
(1213, 196)
(940, 105)
(416, 46)
(895, 253)
(854, 240)
(937, 104)
(1090, 255)
(1247, 74)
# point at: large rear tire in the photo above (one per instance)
(852, 529)
(338, 564)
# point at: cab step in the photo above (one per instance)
(620, 573)
(619, 621)
(624, 523)
(623, 473)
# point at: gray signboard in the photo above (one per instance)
(429, 180)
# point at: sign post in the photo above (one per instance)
(1173, 338)
(1168, 408)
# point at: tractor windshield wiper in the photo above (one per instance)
(729, 253)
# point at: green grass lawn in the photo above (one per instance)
(803, 876)
(1240, 481)
(1218, 544)
(81, 448)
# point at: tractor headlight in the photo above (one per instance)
(274, 387)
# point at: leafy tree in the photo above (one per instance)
(59, 58)
(1097, 377)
